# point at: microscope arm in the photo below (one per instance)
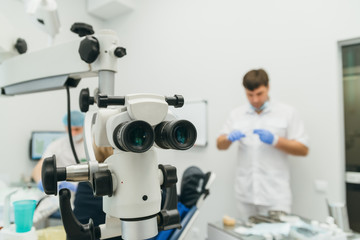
(66, 68)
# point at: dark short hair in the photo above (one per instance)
(255, 78)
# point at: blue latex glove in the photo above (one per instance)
(265, 136)
(235, 136)
(40, 186)
(68, 185)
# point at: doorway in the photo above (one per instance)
(350, 65)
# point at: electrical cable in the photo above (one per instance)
(69, 125)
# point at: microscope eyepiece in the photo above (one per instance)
(134, 136)
(178, 134)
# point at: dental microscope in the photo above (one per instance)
(130, 181)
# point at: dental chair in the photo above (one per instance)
(193, 191)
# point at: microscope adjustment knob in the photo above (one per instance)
(82, 29)
(177, 101)
(103, 101)
(103, 184)
(85, 100)
(169, 219)
(21, 45)
(120, 52)
(89, 49)
(50, 175)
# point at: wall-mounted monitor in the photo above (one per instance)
(40, 140)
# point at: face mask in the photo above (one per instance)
(265, 105)
(78, 138)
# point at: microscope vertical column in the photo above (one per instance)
(106, 82)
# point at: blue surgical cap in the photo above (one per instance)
(77, 119)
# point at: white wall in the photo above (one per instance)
(201, 49)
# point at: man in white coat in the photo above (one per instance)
(265, 132)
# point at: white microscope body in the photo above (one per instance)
(130, 180)
(136, 177)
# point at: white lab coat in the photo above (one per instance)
(62, 150)
(262, 174)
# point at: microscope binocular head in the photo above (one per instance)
(143, 121)
(139, 136)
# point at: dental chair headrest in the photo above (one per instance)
(193, 186)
